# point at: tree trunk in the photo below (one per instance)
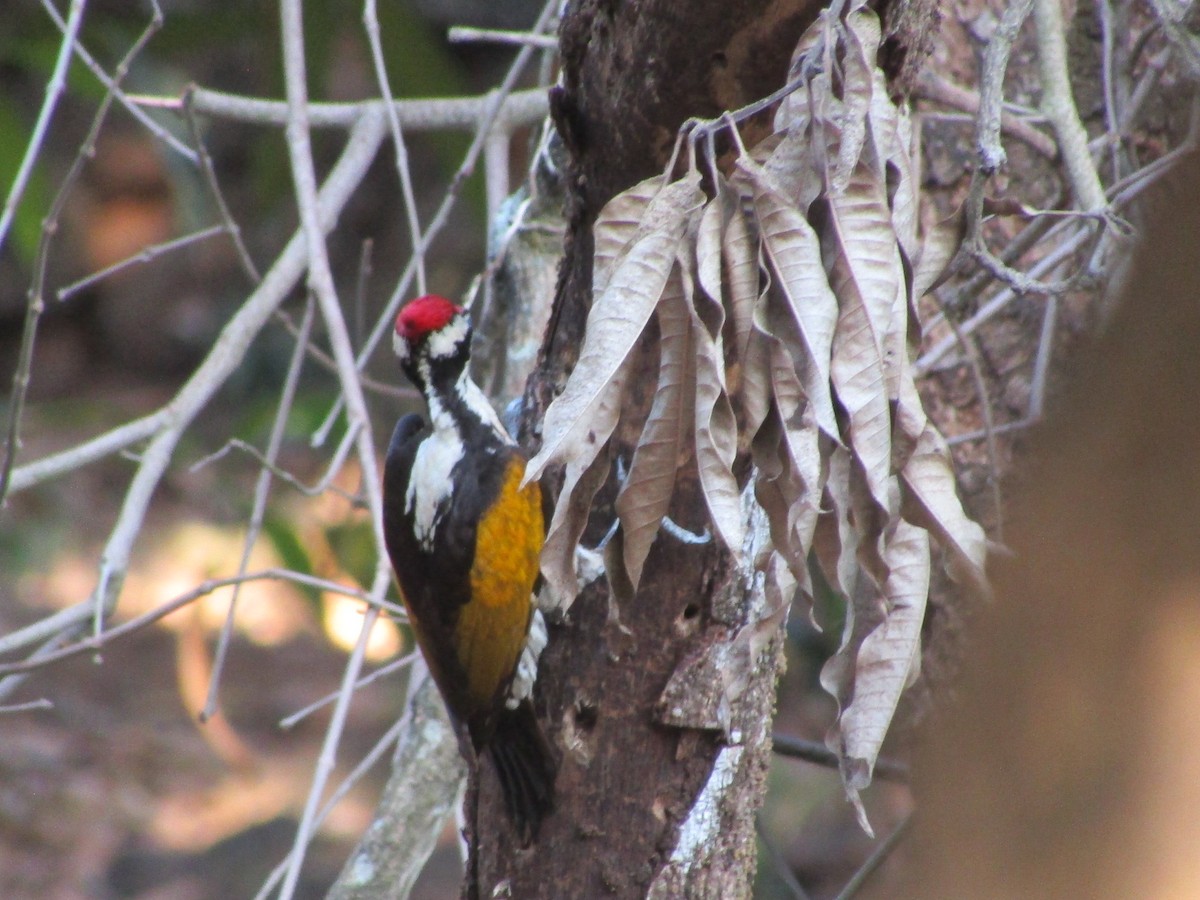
(658, 787)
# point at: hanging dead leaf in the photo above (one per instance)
(930, 500)
(794, 253)
(646, 494)
(616, 321)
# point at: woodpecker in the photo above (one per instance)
(464, 539)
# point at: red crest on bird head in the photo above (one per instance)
(424, 316)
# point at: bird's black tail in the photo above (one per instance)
(526, 768)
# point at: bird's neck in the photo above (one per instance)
(456, 404)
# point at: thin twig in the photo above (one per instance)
(1112, 115)
(262, 489)
(320, 282)
(878, 855)
(145, 255)
(496, 113)
(168, 424)
(460, 34)
(124, 99)
(37, 299)
(32, 705)
(373, 756)
(933, 86)
(817, 753)
(371, 24)
(1044, 266)
(383, 671)
(214, 188)
(327, 362)
(325, 483)
(1059, 105)
(54, 90)
(971, 353)
(328, 758)
(451, 113)
(95, 642)
(779, 864)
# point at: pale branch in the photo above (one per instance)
(991, 86)
(451, 113)
(323, 484)
(311, 816)
(1112, 115)
(980, 434)
(124, 99)
(9, 683)
(1120, 194)
(323, 359)
(97, 448)
(970, 351)
(1041, 362)
(262, 489)
(96, 642)
(371, 24)
(1047, 264)
(1059, 106)
(54, 90)
(31, 706)
(461, 34)
(427, 772)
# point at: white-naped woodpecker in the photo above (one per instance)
(464, 538)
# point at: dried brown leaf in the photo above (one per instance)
(930, 500)
(646, 494)
(860, 39)
(615, 322)
(794, 253)
(715, 425)
(742, 274)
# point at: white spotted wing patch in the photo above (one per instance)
(430, 487)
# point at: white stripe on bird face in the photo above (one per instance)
(400, 345)
(447, 340)
(430, 487)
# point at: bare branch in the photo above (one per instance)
(461, 113)
(1059, 105)
(371, 23)
(97, 641)
(463, 35)
(54, 89)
